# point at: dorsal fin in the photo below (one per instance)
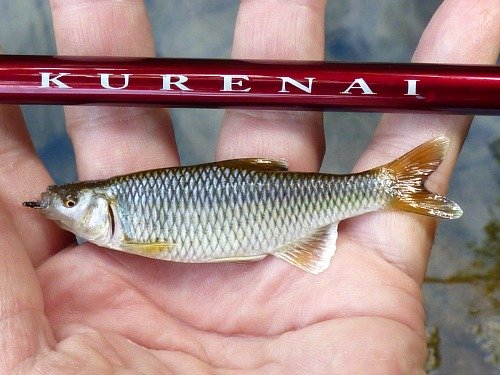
(312, 253)
(255, 164)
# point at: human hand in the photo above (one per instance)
(67, 308)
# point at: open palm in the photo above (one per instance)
(67, 308)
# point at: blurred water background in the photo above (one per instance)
(461, 292)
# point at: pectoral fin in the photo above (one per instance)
(151, 250)
(312, 253)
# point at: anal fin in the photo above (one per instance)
(312, 253)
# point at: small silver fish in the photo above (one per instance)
(242, 209)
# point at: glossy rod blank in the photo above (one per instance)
(213, 83)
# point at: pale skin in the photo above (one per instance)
(66, 308)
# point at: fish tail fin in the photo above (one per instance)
(410, 173)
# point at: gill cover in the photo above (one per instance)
(83, 212)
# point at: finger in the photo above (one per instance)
(112, 140)
(287, 30)
(24, 329)
(23, 177)
(460, 32)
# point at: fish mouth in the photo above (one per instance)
(41, 204)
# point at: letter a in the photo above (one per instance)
(359, 83)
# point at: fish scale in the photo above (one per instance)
(280, 207)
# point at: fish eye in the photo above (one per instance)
(70, 201)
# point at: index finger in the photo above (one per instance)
(112, 140)
(285, 30)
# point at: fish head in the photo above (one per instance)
(80, 210)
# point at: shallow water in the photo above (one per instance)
(461, 295)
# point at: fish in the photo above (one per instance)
(241, 209)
